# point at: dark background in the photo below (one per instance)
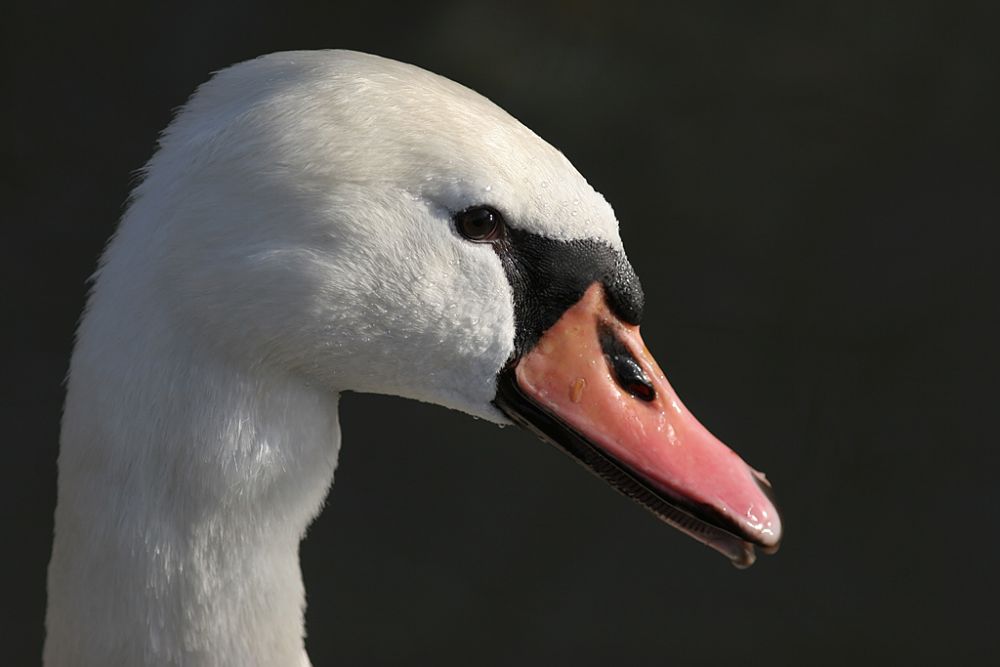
(808, 193)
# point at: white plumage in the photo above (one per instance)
(291, 239)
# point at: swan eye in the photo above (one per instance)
(480, 224)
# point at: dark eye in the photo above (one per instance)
(480, 223)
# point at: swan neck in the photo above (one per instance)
(185, 486)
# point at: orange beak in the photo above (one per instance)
(591, 387)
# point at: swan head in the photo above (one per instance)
(366, 225)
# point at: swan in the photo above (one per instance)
(315, 222)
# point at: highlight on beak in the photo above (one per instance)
(591, 387)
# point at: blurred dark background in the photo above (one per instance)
(809, 194)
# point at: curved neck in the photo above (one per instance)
(185, 486)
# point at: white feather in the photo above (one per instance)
(291, 239)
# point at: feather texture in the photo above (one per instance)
(291, 239)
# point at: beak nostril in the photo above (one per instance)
(631, 378)
(643, 392)
(627, 371)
